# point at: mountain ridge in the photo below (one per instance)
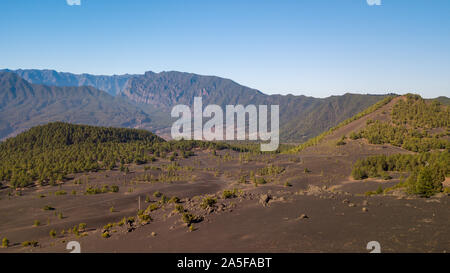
(154, 94)
(167, 89)
(24, 105)
(112, 84)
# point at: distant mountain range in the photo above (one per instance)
(113, 85)
(24, 105)
(301, 117)
(32, 97)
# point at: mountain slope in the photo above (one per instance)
(110, 84)
(301, 117)
(24, 105)
(47, 153)
(154, 94)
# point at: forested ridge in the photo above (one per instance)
(47, 154)
(418, 126)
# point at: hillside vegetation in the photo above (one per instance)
(46, 154)
(418, 126)
(413, 121)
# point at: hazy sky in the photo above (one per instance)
(312, 47)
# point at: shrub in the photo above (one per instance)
(379, 190)
(52, 233)
(122, 222)
(153, 207)
(341, 141)
(179, 208)
(106, 234)
(103, 189)
(189, 218)
(157, 194)
(61, 192)
(36, 223)
(208, 202)
(369, 193)
(164, 199)
(93, 190)
(243, 179)
(174, 200)
(82, 226)
(108, 226)
(30, 243)
(229, 194)
(271, 170)
(260, 180)
(47, 207)
(355, 136)
(76, 231)
(5, 242)
(144, 217)
(386, 176)
(130, 220)
(114, 188)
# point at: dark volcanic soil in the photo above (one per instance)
(319, 211)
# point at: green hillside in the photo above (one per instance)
(416, 125)
(46, 154)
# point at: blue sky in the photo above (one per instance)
(312, 47)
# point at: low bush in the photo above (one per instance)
(227, 194)
(157, 194)
(47, 207)
(5, 242)
(30, 243)
(189, 218)
(208, 202)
